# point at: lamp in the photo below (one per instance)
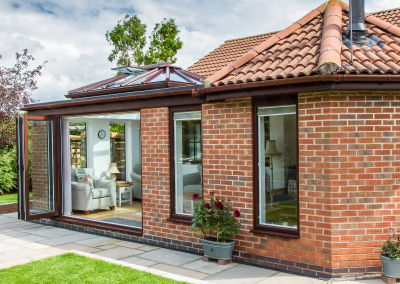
(112, 170)
(271, 151)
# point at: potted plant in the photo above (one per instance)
(217, 227)
(284, 220)
(390, 256)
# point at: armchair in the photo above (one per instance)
(86, 199)
(136, 176)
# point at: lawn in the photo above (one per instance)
(11, 197)
(73, 268)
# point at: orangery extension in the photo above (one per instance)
(299, 129)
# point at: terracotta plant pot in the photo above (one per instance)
(391, 267)
(218, 250)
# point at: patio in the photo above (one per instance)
(22, 242)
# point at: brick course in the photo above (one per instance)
(348, 181)
(8, 208)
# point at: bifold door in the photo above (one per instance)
(38, 144)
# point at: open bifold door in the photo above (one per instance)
(39, 173)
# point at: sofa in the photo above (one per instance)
(136, 177)
(192, 183)
(85, 198)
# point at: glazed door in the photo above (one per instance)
(38, 144)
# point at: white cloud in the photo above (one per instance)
(70, 35)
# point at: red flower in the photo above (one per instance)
(236, 213)
(195, 196)
(207, 205)
(219, 205)
(212, 192)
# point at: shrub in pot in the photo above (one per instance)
(390, 256)
(215, 222)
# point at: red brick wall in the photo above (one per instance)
(228, 158)
(156, 177)
(349, 174)
(7, 208)
(348, 170)
(39, 155)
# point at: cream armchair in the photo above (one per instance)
(136, 176)
(86, 199)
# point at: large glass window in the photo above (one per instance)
(277, 156)
(77, 142)
(187, 161)
(117, 149)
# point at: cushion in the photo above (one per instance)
(101, 192)
(138, 169)
(193, 188)
(85, 178)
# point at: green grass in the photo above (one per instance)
(11, 197)
(73, 268)
(290, 203)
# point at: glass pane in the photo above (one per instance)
(77, 144)
(278, 166)
(117, 150)
(188, 161)
(41, 163)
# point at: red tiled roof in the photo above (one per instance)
(226, 53)
(391, 16)
(297, 51)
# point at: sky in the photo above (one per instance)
(70, 35)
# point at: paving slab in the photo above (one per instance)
(180, 271)
(18, 254)
(128, 244)
(12, 234)
(53, 251)
(33, 227)
(33, 238)
(12, 225)
(106, 247)
(138, 261)
(11, 215)
(97, 241)
(241, 274)
(8, 247)
(210, 267)
(52, 232)
(35, 246)
(286, 278)
(15, 241)
(77, 247)
(170, 257)
(8, 264)
(119, 252)
(148, 248)
(66, 239)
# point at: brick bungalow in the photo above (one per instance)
(290, 104)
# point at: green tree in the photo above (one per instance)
(128, 38)
(164, 43)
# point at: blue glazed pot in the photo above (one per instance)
(391, 267)
(217, 250)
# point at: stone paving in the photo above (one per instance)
(22, 242)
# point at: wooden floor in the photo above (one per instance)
(130, 212)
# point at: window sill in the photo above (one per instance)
(181, 219)
(287, 233)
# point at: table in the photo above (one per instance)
(122, 187)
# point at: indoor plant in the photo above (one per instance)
(390, 255)
(217, 227)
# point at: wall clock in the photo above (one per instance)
(102, 134)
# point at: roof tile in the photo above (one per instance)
(298, 53)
